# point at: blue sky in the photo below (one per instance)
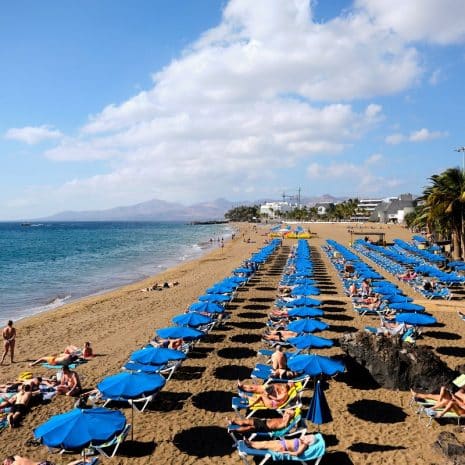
(106, 104)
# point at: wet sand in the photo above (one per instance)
(186, 422)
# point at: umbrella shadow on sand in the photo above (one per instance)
(204, 441)
(213, 401)
(232, 372)
(376, 411)
(133, 449)
(246, 338)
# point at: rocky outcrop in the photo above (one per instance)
(395, 365)
(448, 445)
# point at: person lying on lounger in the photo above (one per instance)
(372, 303)
(60, 359)
(279, 335)
(271, 397)
(18, 460)
(272, 389)
(296, 446)
(261, 425)
(175, 344)
(443, 398)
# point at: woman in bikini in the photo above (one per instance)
(295, 446)
(60, 359)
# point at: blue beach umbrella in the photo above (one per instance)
(222, 288)
(315, 365)
(407, 307)
(237, 279)
(76, 429)
(303, 301)
(416, 319)
(305, 312)
(192, 319)
(215, 298)
(397, 298)
(309, 341)
(318, 411)
(128, 385)
(307, 325)
(179, 332)
(206, 307)
(305, 290)
(156, 355)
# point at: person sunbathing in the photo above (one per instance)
(279, 313)
(372, 303)
(407, 276)
(455, 405)
(271, 397)
(36, 383)
(175, 344)
(443, 398)
(60, 359)
(70, 384)
(280, 336)
(296, 446)
(86, 352)
(353, 291)
(18, 460)
(19, 405)
(261, 425)
(273, 389)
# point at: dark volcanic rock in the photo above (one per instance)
(395, 365)
(448, 445)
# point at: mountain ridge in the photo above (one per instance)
(161, 210)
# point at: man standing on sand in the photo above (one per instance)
(9, 338)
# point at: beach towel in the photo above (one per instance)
(3, 424)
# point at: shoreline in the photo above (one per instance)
(56, 301)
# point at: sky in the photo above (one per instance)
(113, 103)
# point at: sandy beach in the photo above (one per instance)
(186, 423)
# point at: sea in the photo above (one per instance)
(45, 265)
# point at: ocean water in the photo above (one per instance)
(43, 266)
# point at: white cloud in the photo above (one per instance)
(437, 21)
(33, 134)
(373, 159)
(266, 89)
(394, 139)
(422, 135)
(355, 177)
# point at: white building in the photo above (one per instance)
(274, 209)
(366, 207)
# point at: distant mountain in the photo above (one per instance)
(152, 210)
(161, 210)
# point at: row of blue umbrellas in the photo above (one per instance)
(79, 428)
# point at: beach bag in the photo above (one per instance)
(25, 375)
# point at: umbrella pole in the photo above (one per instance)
(132, 421)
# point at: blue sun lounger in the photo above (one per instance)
(314, 452)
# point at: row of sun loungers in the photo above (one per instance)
(298, 272)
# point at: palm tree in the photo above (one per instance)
(444, 207)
